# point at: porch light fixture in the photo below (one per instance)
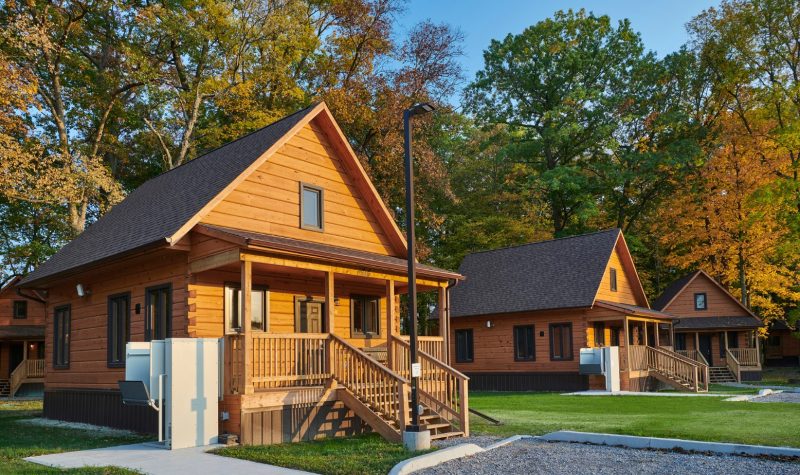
(82, 291)
(415, 441)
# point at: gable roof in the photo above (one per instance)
(163, 209)
(555, 274)
(674, 289)
(706, 323)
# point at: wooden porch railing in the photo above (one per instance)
(638, 358)
(432, 345)
(234, 364)
(441, 387)
(678, 367)
(27, 369)
(293, 359)
(733, 364)
(694, 355)
(385, 391)
(746, 356)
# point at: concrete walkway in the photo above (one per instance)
(152, 458)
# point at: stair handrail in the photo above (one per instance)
(441, 386)
(19, 375)
(733, 365)
(678, 366)
(378, 386)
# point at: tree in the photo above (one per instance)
(558, 87)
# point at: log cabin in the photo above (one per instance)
(277, 243)
(782, 345)
(21, 342)
(713, 327)
(522, 314)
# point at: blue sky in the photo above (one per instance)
(661, 23)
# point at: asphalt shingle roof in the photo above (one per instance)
(11, 332)
(699, 323)
(561, 273)
(672, 290)
(162, 205)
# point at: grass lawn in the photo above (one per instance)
(369, 454)
(697, 418)
(19, 440)
(779, 376)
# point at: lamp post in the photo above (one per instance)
(413, 438)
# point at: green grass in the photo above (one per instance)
(779, 376)
(733, 390)
(20, 440)
(695, 418)
(369, 454)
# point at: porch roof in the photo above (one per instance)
(323, 251)
(634, 310)
(707, 323)
(13, 332)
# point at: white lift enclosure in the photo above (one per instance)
(180, 378)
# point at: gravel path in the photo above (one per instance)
(537, 457)
(479, 440)
(780, 397)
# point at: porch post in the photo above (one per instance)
(330, 303)
(697, 343)
(444, 323)
(657, 329)
(246, 321)
(627, 344)
(390, 316)
(726, 344)
(646, 341)
(25, 350)
(758, 347)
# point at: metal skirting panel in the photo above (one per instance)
(300, 422)
(751, 375)
(540, 381)
(102, 407)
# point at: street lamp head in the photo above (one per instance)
(421, 108)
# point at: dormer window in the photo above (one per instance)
(700, 301)
(613, 279)
(311, 207)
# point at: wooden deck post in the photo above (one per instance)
(390, 316)
(627, 344)
(726, 344)
(246, 321)
(657, 330)
(758, 347)
(646, 341)
(330, 303)
(444, 323)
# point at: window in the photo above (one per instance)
(524, 345)
(700, 302)
(733, 339)
(599, 334)
(311, 204)
(561, 341)
(158, 313)
(20, 309)
(613, 279)
(61, 330)
(365, 315)
(680, 341)
(233, 308)
(119, 328)
(464, 348)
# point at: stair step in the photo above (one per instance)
(440, 425)
(446, 435)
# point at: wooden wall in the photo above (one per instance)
(36, 309)
(89, 330)
(720, 303)
(626, 280)
(268, 201)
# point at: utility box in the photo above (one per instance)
(591, 361)
(603, 361)
(191, 385)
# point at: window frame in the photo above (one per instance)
(14, 309)
(111, 298)
(705, 301)
(364, 300)
(148, 329)
(471, 347)
(321, 208)
(612, 279)
(571, 355)
(532, 356)
(238, 288)
(61, 356)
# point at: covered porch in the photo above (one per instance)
(323, 355)
(732, 355)
(21, 360)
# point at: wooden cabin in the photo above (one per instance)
(523, 313)
(279, 244)
(782, 345)
(21, 342)
(713, 327)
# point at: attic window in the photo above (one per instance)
(20, 309)
(700, 301)
(613, 279)
(311, 207)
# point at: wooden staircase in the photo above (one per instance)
(721, 374)
(5, 388)
(380, 396)
(677, 370)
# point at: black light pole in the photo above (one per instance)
(417, 109)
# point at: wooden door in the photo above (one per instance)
(16, 355)
(309, 316)
(705, 347)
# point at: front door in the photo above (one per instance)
(308, 316)
(16, 354)
(705, 347)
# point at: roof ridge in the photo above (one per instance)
(209, 152)
(515, 246)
